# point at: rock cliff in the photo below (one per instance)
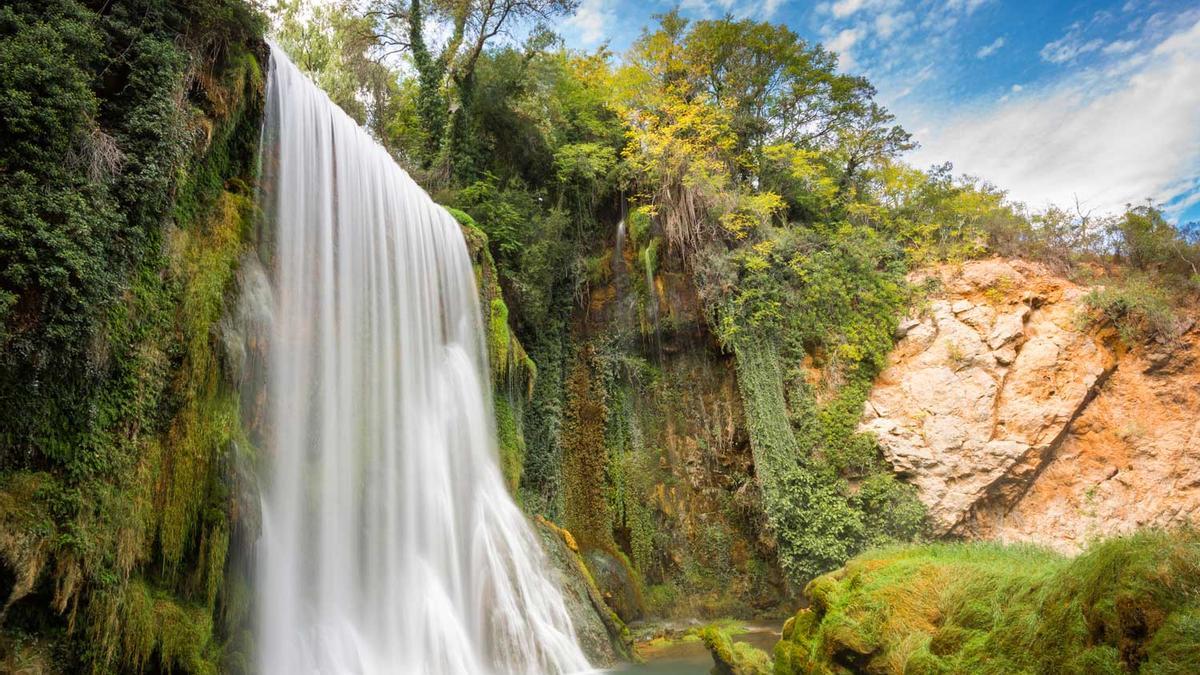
(1017, 420)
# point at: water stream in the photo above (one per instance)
(390, 543)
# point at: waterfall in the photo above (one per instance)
(390, 543)
(618, 259)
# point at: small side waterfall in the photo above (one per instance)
(390, 543)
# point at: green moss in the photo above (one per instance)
(733, 658)
(121, 463)
(512, 443)
(1127, 604)
(587, 512)
(513, 372)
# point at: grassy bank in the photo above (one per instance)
(1129, 604)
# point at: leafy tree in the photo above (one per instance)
(446, 72)
(777, 87)
(339, 50)
(1144, 238)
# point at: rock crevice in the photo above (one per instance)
(1007, 413)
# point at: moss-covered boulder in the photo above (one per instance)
(1127, 605)
(733, 658)
(617, 584)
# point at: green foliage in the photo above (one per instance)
(448, 66)
(333, 45)
(810, 322)
(123, 210)
(1148, 242)
(1139, 308)
(511, 442)
(936, 216)
(1125, 605)
(504, 215)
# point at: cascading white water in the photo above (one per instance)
(390, 543)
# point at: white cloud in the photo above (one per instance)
(945, 16)
(842, 43)
(844, 8)
(885, 25)
(969, 6)
(888, 24)
(1016, 89)
(1111, 136)
(756, 9)
(845, 40)
(988, 50)
(591, 22)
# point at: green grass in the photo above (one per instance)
(1128, 604)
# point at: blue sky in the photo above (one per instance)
(1050, 100)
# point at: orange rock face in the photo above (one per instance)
(1017, 422)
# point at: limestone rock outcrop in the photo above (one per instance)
(1017, 421)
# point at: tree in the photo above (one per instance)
(777, 87)
(446, 72)
(336, 48)
(1144, 238)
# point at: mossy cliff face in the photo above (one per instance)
(127, 203)
(1126, 605)
(657, 477)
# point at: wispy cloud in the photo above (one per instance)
(1120, 47)
(1069, 47)
(968, 6)
(757, 9)
(888, 24)
(1111, 135)
(844, 8)
(987, 50)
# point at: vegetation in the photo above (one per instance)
(733, 658)
(768, 228)
(131, 134)
(742, 160)
(1127, 604)
(1139, 308)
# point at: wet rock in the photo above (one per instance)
(616, 585)
(602, 635)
